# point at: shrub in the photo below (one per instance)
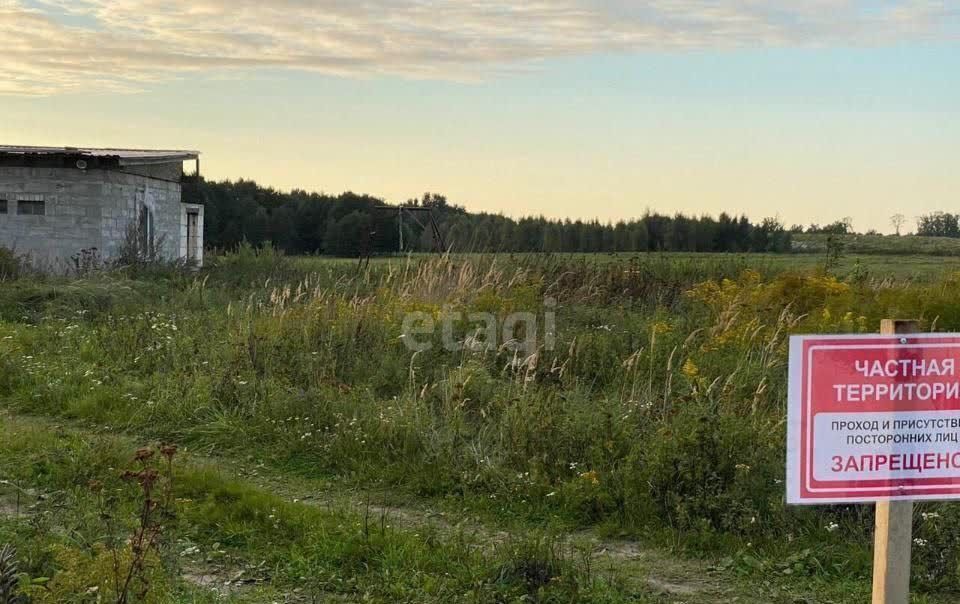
(704, 472)
(11, 266)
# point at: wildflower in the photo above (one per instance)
(143, 454)
(690, 368)
(661, 327)
(590, 477)
(920, 542)
(146, 478)
(832, 527)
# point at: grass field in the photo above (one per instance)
(631, 450)
(873, 266)
(879, 244)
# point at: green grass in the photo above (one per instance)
(280, 539)
(880, 244)
(287, 547)
(876, 263)
(656, 420)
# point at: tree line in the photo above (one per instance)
(939, 224)
(350, 224)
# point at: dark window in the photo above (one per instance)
(3, 206)
(30, 208)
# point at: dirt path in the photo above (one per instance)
(653, 573)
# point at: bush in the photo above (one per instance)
(250, 267)
(11, 266)
(702, 472)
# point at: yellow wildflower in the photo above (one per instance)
(591, 477)
(661, 327)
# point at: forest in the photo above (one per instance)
(350, 224)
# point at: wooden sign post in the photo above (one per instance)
(893, 536)
(875, 418)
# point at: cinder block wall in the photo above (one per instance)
(168, 171)
(84, 209)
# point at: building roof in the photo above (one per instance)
(124, 157)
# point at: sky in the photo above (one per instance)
(810, 111)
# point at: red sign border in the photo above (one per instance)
(800, 482)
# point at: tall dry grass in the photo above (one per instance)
(660, 408)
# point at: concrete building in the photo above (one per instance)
(61, 206)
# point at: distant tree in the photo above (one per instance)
(705, 234)
(349, 236)
(621, 238)
(639, 240)
(770, 236)
(938, 224)
(897, 221)
(350, 224)
(840, 227)
(657, 231)
(679, 236)
(552, 238)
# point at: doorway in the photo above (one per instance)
(193, 237)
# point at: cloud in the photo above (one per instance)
(56, 46)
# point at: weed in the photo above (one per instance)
(12, 266)
(9, 577)
(658, 412)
